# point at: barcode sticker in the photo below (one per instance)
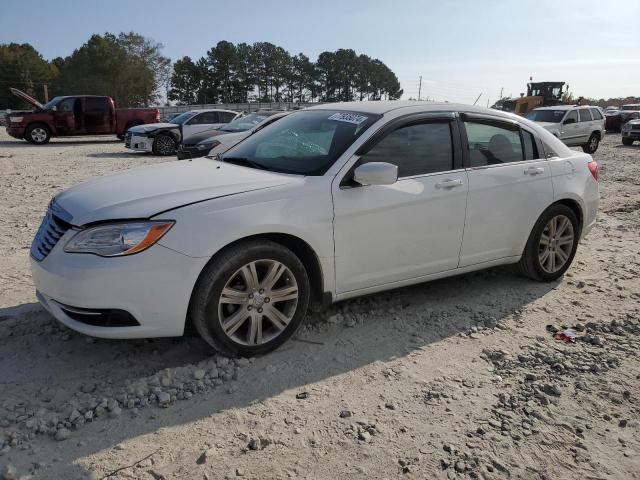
(348, 117)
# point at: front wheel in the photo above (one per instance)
(592, 145)
(164, 144)
(37, 134)
(251, 298)
(627, 141)
(552, 244)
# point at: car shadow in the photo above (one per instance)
(119, 155)
(387, 326)
(627, 147)
(56, 142)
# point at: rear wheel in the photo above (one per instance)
(251, 298)
(551, 245)
(164, 144)
(38, 134)
(627, 141)
(592, 145)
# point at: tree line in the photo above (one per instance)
(264, 72)
(132, 69)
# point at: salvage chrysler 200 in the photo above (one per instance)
(326, 204)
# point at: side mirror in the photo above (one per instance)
(54, 108)
(376, 173)
(8, 111)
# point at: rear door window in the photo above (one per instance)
(596, 114)
(493, 143)
(585, 115)
(95, 106)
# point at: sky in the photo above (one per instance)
(461, 48)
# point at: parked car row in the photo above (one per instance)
(618, 117)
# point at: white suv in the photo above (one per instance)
(575, 125)
(326, 204)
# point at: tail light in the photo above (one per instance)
(157, 115)
(593, 168)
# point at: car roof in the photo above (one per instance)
(202, 110)
(566, 107)
(381, 107)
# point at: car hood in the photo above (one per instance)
(633, 122)
(150, 127)
(229, 137)
(548, 125)
(27, 98)
(146, 191)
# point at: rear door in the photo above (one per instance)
(391, 233)
(509, 187)
(586, 125)
(97, 115)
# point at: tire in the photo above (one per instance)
(38, 134)
(627, 141)
(534, 264)
(592, 144)
(249, 330)
(164, 144)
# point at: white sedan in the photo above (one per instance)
(326, 204)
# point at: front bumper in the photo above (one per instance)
(16, 131)
(139, 143)
(154, 287)
(635, 134)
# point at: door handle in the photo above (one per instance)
(534, 171)
(449, 183)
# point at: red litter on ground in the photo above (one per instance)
(566, 336)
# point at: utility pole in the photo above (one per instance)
(46, 93)
(420, 88)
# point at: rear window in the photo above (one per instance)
(585, 115)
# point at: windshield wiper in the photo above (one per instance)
(244, 162)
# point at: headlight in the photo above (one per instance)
(117, 239)
(626, 126)
(16, 119)
(208, 146)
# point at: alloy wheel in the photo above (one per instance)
(258, 302)
(38, 134)
(165, 145)
(593, 144)
(556, 244)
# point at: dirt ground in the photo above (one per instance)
(458, 378)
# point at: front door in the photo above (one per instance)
(570, 132)
(509, 187)
(200, 123)
(412, 228)
(64, 117)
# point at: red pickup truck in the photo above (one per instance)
(74, 116)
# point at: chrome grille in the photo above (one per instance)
(127, 139)
(50, 231)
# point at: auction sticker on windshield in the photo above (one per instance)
(348, 117)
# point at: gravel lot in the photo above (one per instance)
(459, 378)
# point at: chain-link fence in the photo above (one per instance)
(237, 107)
